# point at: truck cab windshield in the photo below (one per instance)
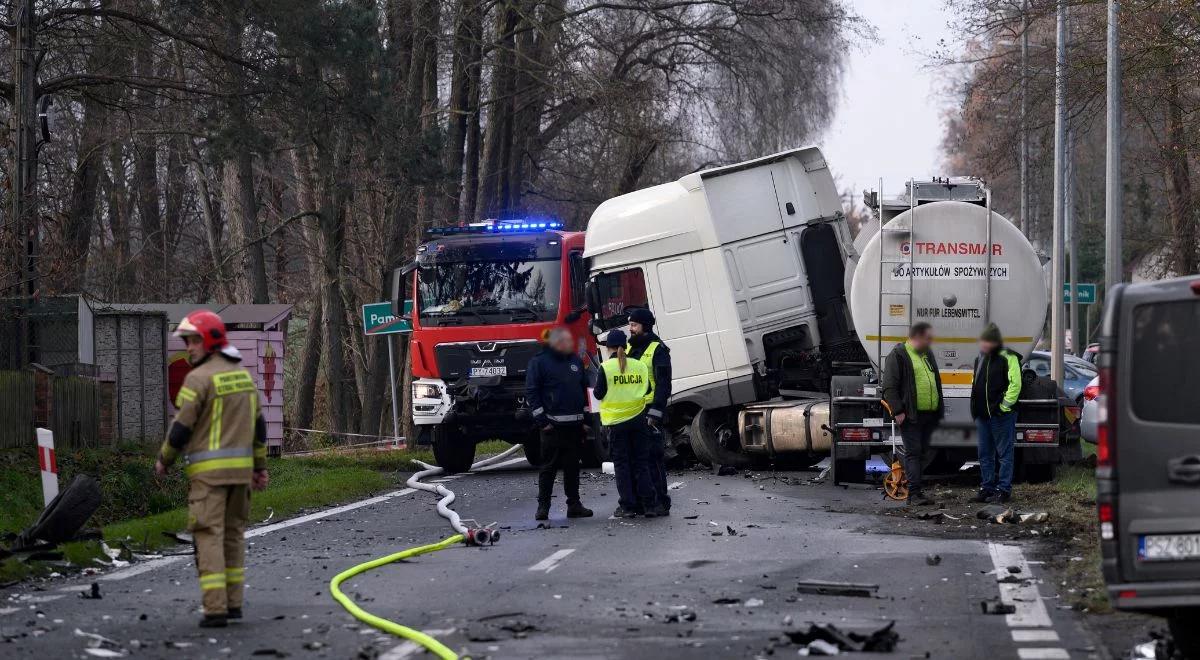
(489, 292)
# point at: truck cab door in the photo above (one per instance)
(1157, 433)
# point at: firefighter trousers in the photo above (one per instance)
(217, 519)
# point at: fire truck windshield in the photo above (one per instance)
(488, 292)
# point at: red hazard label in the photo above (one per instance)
(962, 247)
(47, 461)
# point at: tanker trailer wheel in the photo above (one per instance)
(712, 433)
(453, 451)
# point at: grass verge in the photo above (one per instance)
(138, 507)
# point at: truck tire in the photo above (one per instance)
(1036, 473)
(596, 450)
(706, 444)
(1183, 629)
(451, 450)
(62, 518)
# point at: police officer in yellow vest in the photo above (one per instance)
(621, 387)
(646, 346)
(222, 436)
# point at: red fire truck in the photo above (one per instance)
(483, 297)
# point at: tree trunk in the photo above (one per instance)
(497, 141)
(467, 35)
(240, 202)
(1180, 202)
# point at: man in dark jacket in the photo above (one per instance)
(556, 391)
(994, 394)
(912, 389)
(644, 345)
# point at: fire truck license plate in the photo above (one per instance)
(489, 371)
(1169, 547)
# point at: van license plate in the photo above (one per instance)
(1169, 547)
(488, 371)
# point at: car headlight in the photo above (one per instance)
(426, 391)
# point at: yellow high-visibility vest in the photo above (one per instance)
(647, 359)
(626, 395)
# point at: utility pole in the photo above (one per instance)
(1056, 259)
(24, 171)
(1114, 268)
(1025, 228)
(1072, 241)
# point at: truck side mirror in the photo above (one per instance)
(399, 287)
(592, 296)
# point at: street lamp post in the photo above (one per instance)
(1056, 260)
(1113, 267)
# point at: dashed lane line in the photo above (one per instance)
(1031, 621)
(550, 563)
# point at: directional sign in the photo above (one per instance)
(378, 319)
(1087, 293)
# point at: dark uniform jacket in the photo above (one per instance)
(556, 388)
(660, 368)
(900, 387)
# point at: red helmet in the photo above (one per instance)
(206, 325)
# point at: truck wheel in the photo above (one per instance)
(850, 470)
(1037, 473)
(707, 429)
(452, 451)
(1183, 629)
(596, 450)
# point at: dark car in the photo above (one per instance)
(1148, 453)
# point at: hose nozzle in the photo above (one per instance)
(480, 536)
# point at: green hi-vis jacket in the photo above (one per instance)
(219, 428)
(625, 394)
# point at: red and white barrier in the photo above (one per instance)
(48, 462)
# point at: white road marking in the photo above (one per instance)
(1031, 611)
(408, 648)
(150, 565)
(550, 563)
(1034, 636)
(5, 611)
(1043, 654)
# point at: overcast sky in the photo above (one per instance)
(890, 119)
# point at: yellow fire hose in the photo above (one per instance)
(477, 536)
(438, 649)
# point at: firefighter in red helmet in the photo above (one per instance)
(220, 432)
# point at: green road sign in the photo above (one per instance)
(378, 319)
(1087, 293)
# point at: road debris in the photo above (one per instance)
(64, 516)
(933, 560)
(93, 593)
(726, 471)
(996, 606)
(753, 602)
(828, 639)
(100, 646)
(675, 485)
(826, 588)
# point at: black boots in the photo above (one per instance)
(214, 621)
(543, 512)
(658, 510)
(234, 613)
(578, 510)
(622, 512)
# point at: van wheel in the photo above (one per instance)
(453, 452)
(709, 429)
(1183, 629)
(850, 470)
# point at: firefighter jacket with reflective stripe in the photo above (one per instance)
(623, 396)
(219, 404)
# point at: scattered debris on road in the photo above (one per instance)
(93, 593)
(826, 588)
(996, 606)
(933, 560)
(828, 639)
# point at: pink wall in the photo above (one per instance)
(262, 356)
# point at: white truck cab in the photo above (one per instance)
(744, 269)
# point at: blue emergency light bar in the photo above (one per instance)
(496, 227)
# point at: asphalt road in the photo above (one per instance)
(592, 588)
